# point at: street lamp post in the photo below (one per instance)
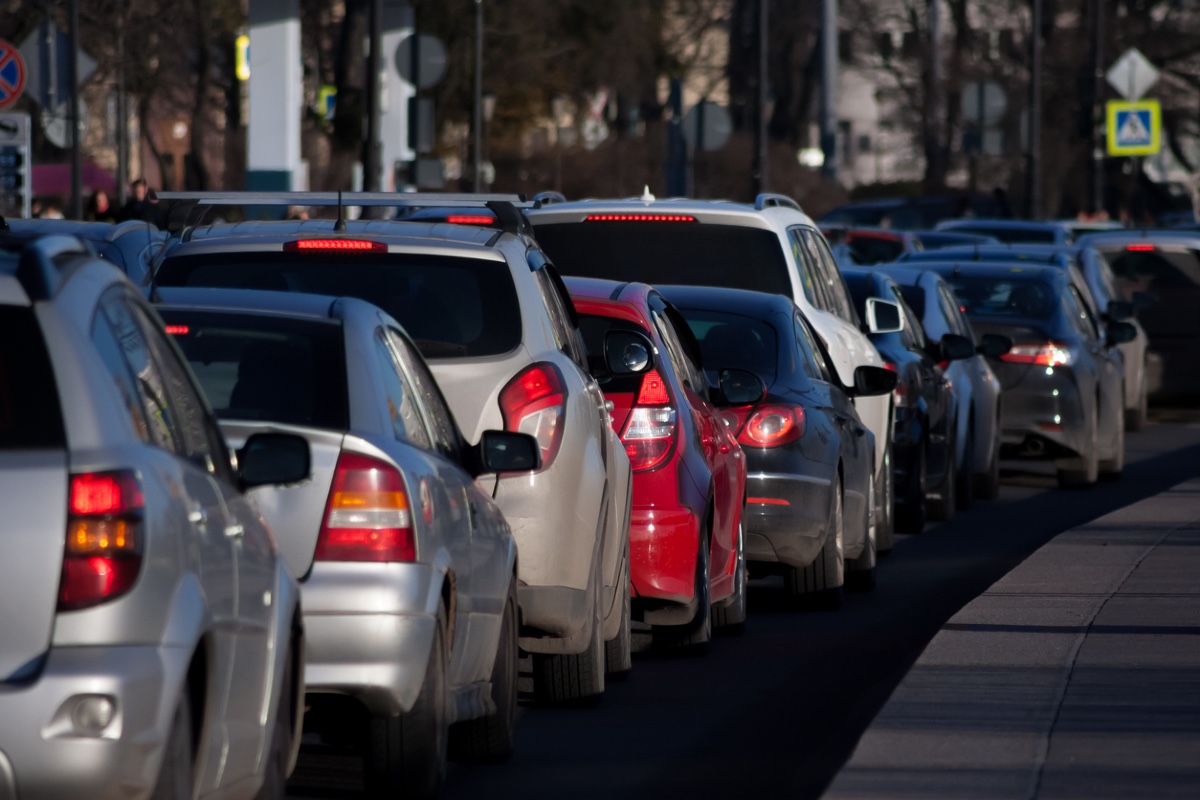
(477, 154)
(489, 109)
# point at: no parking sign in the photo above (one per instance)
(12, 74)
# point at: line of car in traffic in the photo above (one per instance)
(334, 476)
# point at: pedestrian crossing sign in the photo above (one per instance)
(1134, 129)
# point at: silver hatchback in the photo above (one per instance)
(150, 634)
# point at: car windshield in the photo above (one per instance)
(732, 340)
(1003, 296)
(452, 307)
(30, 417)
(728, 256)
(265, 368)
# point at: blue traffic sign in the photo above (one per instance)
(1134, 129)
(12, 74)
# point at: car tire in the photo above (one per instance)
(822, 581)
(279, 756)
(1073, 477)
(885, 518)
(577, 678)
(910, 515)
(406, 754)
(695, 637)
(729, 619)
(491, 738)
(987, 483)
(1110, 468)
(618, 651)
(942, 508)
(176, 776)
(965, 475)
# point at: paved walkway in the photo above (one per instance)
(1077, 675)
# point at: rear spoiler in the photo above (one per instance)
(189, 208)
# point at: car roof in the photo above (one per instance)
(1125, 235)
(736, 301)
(604, 290)
(726, 212)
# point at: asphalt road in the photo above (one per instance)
(777, 711)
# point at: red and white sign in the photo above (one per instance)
(12, 74)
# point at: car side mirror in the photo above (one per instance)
(1120, 333)
(504, 451)
(883, 316)
(1119, 310)
(1143, 300)
(993, 345)
(870, 381)
(628, 352)
(274, 459)
(956, 347)
(740, 387)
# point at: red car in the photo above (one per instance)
(688, 573)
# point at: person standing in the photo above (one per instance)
(139, 205)
(99, 208)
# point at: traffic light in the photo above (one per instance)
(16, 181)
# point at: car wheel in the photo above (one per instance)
(280, 754)
(1073, 476)
(695, 637)
(1111, 468)
(822, 580)
(910, 515)
(574, 677)
(490, 738)
(987, 483)
(965, 475)
(406, 754)
(176, 776)
(618, 651)
(730, 618)
(885, 518)
(943, 506)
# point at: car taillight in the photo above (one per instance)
(470, 219)
(769, 425)
(640, 217)
(341, 245)
(367, 516)
(1049, 354)
(535, 402)
(103, 552)
(649, 435)
(900, 393)
(1140, 248)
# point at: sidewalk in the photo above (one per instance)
(1077, 675)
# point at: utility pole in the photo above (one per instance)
(122, 111)
(829, 78)
(1035, 113)
(937, 170)
(73, 94)
(477, 113)
(1097, 111)
(371, 165)
(761, 179)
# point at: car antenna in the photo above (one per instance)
(340, 225)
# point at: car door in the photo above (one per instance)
(116, 332)
(1110, 365)
(254, 556)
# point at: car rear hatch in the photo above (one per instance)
(33, 495)
(1013, 368)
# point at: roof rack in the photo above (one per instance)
(548, 198)
(504, 206)
(36, 269)
(775, 200)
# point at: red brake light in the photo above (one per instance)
(1140, 248)
(470, 219)
(367, 516)
(534, 402)
(1049, 354)
(653, 391)
(177, 330)
(769, 425)
(344, 245)
(639, 218)
(103, 551)
(900, 393)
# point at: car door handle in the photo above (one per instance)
(234, 531)
(198, 516)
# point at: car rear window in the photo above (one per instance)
(1148, 267)
(732, 340)
(867, 249)
(452, 307)
(1001, 296)
(265, 368)
(30, 415)
(692, 254)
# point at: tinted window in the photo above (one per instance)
(731, 340)
(868, 249)
(915, 297)
(1139, 270)
(149, 383)
(806, 264)
(266, 368)
(30, 416)
(995, 296)
(452, 307)
(669, 252)
(403, 411)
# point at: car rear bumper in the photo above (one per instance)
(42, 755)
(368, 630)
(786, 517)
(663, 544)
(1043, 417)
